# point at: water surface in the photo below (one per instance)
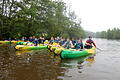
(41, 65)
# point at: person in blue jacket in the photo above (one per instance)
(78, 45)
(56, 40)
(62, 41)
(73, 41)
(35, 41)
(51, 40)
(30, 39)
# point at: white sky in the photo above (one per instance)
(97, 15)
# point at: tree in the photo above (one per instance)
(109, 34)
(38, 17)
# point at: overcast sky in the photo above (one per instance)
(97, 15)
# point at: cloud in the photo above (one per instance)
(97, 15)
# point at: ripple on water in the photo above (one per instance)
(41, 65)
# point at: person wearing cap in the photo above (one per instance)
(89, 43)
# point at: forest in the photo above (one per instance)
(45, 18)
(109, 34)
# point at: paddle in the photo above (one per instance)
(98, 48)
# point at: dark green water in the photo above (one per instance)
(41, 65)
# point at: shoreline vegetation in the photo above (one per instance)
(109, 34)
(46, 18)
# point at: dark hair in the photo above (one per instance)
(89, 37)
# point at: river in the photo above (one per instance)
(42, 65)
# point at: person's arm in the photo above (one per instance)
(87, 41)
(71, 44)
(64, 44)
(93, 43)
(50, 41)
(81, 45)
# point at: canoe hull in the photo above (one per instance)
(8, 42)
(73, 54)
(23, 47)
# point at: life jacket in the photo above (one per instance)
(40, 41)
(90, 41)
(56, 41)
(35, 41)
(67, 45)
(46, 42)
(88, 44)
(31, 40)
(61, 43)
(79, 45)
(51, 41)
(73, 42)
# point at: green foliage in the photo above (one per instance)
(37, 17)
(109, 34)
(88, 33)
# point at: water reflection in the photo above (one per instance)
(30, 65)
(78, 63)
(90, 61)
(38, 66)
(19, 53)
(43, 65)
(7, 62)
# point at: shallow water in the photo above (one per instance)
(41, 65)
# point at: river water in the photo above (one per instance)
(42, 65)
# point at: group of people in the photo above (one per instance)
(34, 40)
(66, 43)
(75, 44)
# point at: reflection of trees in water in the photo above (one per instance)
(28, 66)
(37, 65)
(7, 62)
(40, 66)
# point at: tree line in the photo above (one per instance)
(109, 34)
(48, 18)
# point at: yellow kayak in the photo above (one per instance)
(71, 53)
(91, 51)
(8, 42)
(25, 47)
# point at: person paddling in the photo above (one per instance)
(40, 40)
(35, 41)
(51, 40)
(62, 41)
(89, 43)
(78, 45)
(68, 44)
(30, 39)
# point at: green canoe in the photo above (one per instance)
(22, 43)
(75, 54)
